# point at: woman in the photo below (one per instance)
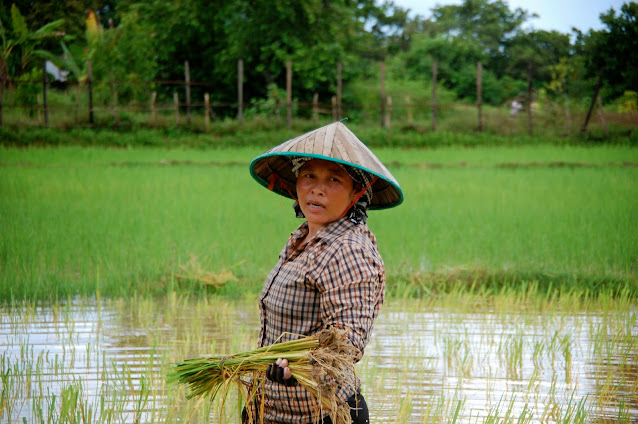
(330, 273)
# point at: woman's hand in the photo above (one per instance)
(279, 372)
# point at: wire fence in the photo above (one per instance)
(54, 103)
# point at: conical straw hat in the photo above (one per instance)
(334, 142)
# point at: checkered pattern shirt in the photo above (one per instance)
(336, 279)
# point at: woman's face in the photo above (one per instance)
(324, 192)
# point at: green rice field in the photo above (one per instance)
(511, 283)
(147, 221)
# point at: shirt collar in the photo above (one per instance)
(329, 233)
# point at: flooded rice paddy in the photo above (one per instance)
(105, 361)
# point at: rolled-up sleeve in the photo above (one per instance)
(352, 289)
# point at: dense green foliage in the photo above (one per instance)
(135, 43)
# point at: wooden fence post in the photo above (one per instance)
(206, 111)
(530, 126)
(2, 77)
(601, 115)
(176, 103)
(383, 99)
(435, 66)
(45, 105)
(153, 110)
(116, 117)
(388, 113)
(479, 94)
(288, 94)
(240, 91)
(333, 102)
(315, 108)
(408, 106)
(339, 90)
(187, 80)
(90, 85)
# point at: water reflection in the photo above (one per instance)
(108, 360)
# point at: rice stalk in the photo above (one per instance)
(318, 363)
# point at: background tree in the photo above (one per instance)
(538, 52)
(613, 50)
(314, 35)
(20, 47)
(484, 24)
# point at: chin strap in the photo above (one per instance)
(358, 195)
(274, 178)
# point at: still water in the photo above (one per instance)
(106, 361)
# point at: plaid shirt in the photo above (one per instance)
(336, 279)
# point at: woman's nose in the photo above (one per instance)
(318, 188)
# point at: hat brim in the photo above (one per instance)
(333, 142)
(385, 193)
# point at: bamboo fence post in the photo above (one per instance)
(176, 103)
(383, 99)
(45, 105)
(240, 91)
(388, 113)
(339, 90)
(90, 85)
(408, 106)
(288, 94)
(153, 110)
(435, 66)
(315, 108)
(187, 80)
(206, 111)
(479, 94)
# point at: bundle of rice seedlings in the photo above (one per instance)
(318, 362)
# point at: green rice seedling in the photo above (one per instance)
(404, 410)
(566, 345)
(316, 362)
(511, 354)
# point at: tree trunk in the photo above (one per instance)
(593, 99)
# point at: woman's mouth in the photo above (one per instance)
(312, 205)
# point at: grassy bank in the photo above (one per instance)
(459, 128)
(149, 220)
